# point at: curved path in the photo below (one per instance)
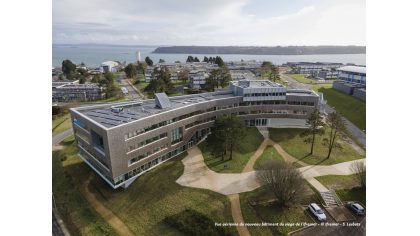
(56, 139)
(198, 175)
(105, 213)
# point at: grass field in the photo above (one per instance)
(292, 143)
(270, 153)
(353, 194)
(61, 123)
(142, 207)
(67, 175)
(350, 107)
(155, 195)
(302, 78)
(338, 181)
(246, 148)
(346, 187)
(265, 212)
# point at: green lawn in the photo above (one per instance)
(338, 181)
(142, 206)
(302, 78)
(352, 108)
(67, 174)
(246, 148)
(266, 212)
(292, 143)
(353, 194)
(270, 153)
(61, 123)
(346, 187)
(155, 195)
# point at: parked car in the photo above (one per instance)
(317, 212)
(356, 208)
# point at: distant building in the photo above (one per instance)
(325, 74)
(351, 80)
(73, 91)
(352, 74)
(311, 68)
(242, 74)
(197, 79)
(109, 66)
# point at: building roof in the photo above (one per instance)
(256, 84)
(353, 69)
(109, 63)
(162, 100)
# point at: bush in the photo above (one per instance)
(192, 222)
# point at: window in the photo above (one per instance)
(176, 135)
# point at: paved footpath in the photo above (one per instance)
(235, 207)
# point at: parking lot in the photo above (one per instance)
(340, 221)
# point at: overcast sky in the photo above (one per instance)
(210, 22)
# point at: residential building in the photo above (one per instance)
(122, 141)
(197, 78)
(311, 68)
(351, 80)
(73, 91)
(242, 74)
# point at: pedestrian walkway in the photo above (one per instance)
(198, 175)
(235, 206)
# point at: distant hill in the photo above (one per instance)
(253, 50)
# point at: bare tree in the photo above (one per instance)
(315, 126)
(283, 180)
(337, 129)
(359, 170)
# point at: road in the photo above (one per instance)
(56, 139)
(353, 130)
(132, 92)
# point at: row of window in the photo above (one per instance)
(147, 141)
(273, 112)
(276, 102)
(164, 123)
(264, 94)
(97, 157)
(176, 135)
(178, 118)
(144, 155)
(148, 165)
(200, 122)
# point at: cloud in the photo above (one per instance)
(216, 22)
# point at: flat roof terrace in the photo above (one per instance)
(111, 115)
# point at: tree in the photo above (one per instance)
(274, 73)
(68, 67)
(266, 68)
(196, 59)
(161, 81)
(218, 78)
(227, 131)
(184, 75)
(190, 59)
(337, 128)
(130, 70)
(148, 61)
(161, 61)
(219, 61)
(96, 78)
(315, 124)
(283, 180)
(206, 59)
(359, 170)
(82, 80)
(141, 68)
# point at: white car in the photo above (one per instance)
(317, 212)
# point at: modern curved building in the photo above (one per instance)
(122, 141)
